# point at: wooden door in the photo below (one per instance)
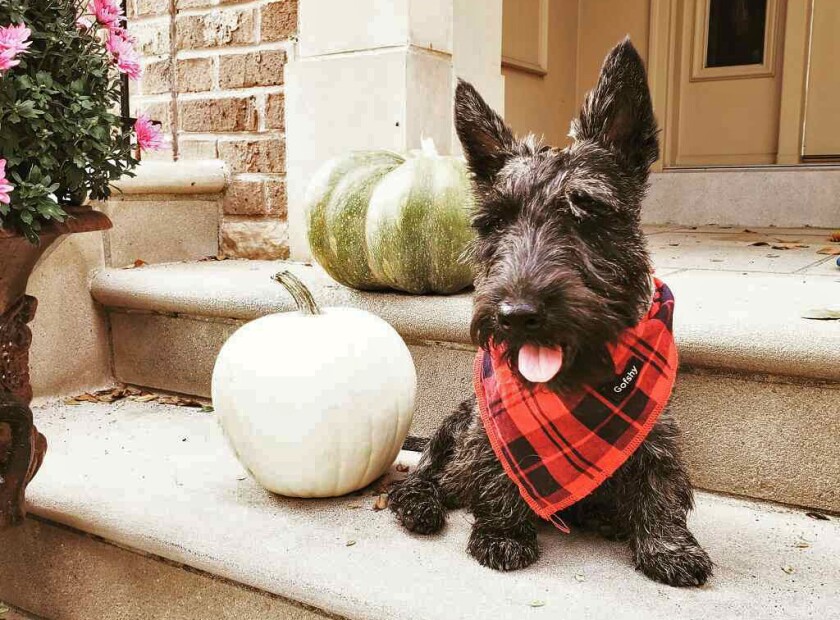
(727, 83)
(821, 140)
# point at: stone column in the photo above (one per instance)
(380, 74)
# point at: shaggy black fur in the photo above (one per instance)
(558, 232)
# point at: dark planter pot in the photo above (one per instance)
(22, 447)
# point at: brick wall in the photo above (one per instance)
(214, 77)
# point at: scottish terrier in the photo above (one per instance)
(562, 272)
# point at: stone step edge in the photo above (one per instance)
(240, 290)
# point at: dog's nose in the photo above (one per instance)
(518, 316)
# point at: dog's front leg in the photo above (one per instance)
(503, 536)
(654, 495)
(418, 501)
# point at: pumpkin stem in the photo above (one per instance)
(303, 298)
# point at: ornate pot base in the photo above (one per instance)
(22, 447)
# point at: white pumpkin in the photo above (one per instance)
(315, 403)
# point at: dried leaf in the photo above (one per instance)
(178, 401)
(580, 577)
(787, 245)
(87, 397)
(355, 506)
(801, 544)
(207, 408)
(145, 398)
(139, 263)
(788, 569)
(381, 502)
(822, 314)
(831, 250)
(4, 610)
(759, 243)
(350, 543)
(402, 468)
(834, 236)
(817, 515)
(71, 401)
(536, 603)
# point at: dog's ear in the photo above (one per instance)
(618, 112)
(485, 137)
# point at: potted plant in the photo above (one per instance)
(61, 63)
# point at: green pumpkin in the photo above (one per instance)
(378, 220)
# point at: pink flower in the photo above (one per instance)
(108, 12)
(14, 38)
(5, 186)
(120, 46)
(7, 60)
(149, 135)
(13, 42)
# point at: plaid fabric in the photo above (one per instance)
(558, 448)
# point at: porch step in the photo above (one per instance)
(169, 211)
(141, 511)
(757, 396)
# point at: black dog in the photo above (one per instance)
(561, 261)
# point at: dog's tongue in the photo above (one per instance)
(539, 364)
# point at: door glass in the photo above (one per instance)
(736, 32)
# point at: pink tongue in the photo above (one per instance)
(539, 364)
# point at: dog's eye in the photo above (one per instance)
(491, 217)
(581, 205)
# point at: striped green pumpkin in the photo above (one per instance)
(378, 220)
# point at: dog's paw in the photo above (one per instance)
(417, 506)
(681, 562)
(502, 549)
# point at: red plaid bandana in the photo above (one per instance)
(558, 448)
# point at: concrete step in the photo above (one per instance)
(752, 196)
(169, 211)
(142, 511)
(757, 396)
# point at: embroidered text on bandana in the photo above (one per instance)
(558, 448)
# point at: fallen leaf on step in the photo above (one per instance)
(86, 398)
(402, 468)
(381, 502)
(801, 544)
(138, 263)
(822, 314)
(144, 398)
(788, 569)
(71, 401)
(179, 401)
(787, 245)
(759, 243)
(817, 515)
(350, 543)
(831, 250)
(207, 409)
(536, 604)
(580, 577)
(834, 236)
(3, 610)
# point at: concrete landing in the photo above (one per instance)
(161, 480)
